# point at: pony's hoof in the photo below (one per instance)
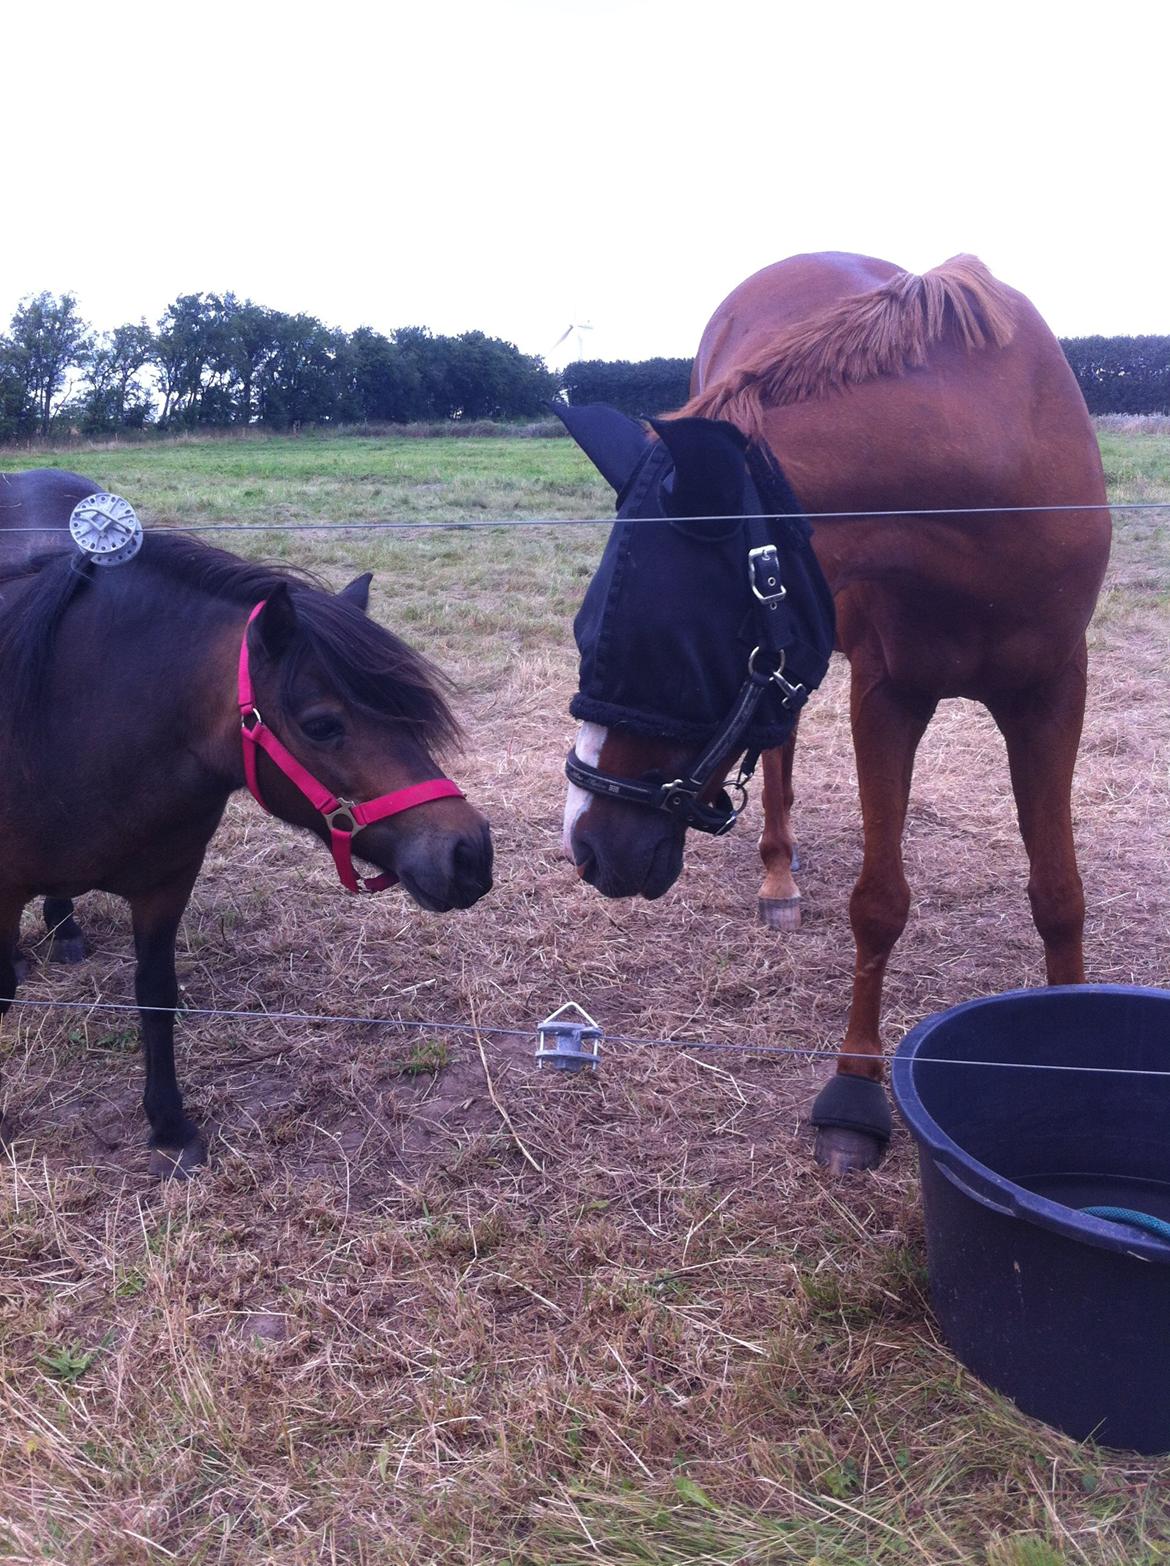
(67, 948)
(841, 1151)
(780, 913)
(178, 1163)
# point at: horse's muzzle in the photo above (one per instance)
(626, 851)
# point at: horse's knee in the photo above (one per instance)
(878, 914)
(1058, 909)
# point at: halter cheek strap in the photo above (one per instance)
(342, 816)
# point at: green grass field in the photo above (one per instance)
(372, 1331)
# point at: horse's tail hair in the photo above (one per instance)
(883, 332)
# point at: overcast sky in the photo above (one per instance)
(516, 166)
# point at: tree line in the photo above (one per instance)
(216, 361)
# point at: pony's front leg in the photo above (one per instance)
(851, 1114)
(175, 1140)
(66, 942)
(779, 901)
(9, 930)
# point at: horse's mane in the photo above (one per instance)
(370, 668)
(883, 332)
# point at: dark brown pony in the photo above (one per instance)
(120, 742)
(884, 392)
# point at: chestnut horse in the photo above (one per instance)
(885, 394)
(132, 702)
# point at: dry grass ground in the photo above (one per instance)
(372, 1331)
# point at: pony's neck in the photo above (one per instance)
(214, 701)
(198, 656)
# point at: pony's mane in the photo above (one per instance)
(883, 332)
(370, 668)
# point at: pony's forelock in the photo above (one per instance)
(370, 668)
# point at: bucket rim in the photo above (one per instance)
(979, 1181)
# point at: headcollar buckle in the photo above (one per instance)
(764, 575)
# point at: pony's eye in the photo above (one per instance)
(321, 729)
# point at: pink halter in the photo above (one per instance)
(342, 816)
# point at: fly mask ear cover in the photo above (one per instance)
(669, 621)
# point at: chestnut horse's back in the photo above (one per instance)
(882, 391)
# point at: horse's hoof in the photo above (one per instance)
(780, 913)
(841, 1151)
(178, 1163)
(67, 948)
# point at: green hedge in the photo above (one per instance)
(1121, 374)
(648, 387)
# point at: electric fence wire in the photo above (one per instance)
(472, 524)
(632, 1041)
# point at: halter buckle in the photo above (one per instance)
(764, 575)
(677, 797)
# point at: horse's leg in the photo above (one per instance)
(175, 1139)
(851, 1114)
(9, 930)
(779, 902)
(66, 942)
(1042, 730)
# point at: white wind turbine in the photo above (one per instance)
(574, 326)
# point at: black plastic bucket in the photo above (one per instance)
(1066, 1313)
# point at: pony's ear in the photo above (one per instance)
(710, 470)
(358, 591)
(614, 443)
(276, 624)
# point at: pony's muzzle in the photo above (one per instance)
(445, 869)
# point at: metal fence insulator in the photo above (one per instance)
(568, 1043)
(105, 528)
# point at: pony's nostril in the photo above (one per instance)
(471, 870)
(472, 859)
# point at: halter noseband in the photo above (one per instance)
(681, 797)
(342, 816)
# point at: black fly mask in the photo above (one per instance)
(708, 620)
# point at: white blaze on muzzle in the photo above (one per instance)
(590, 739)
